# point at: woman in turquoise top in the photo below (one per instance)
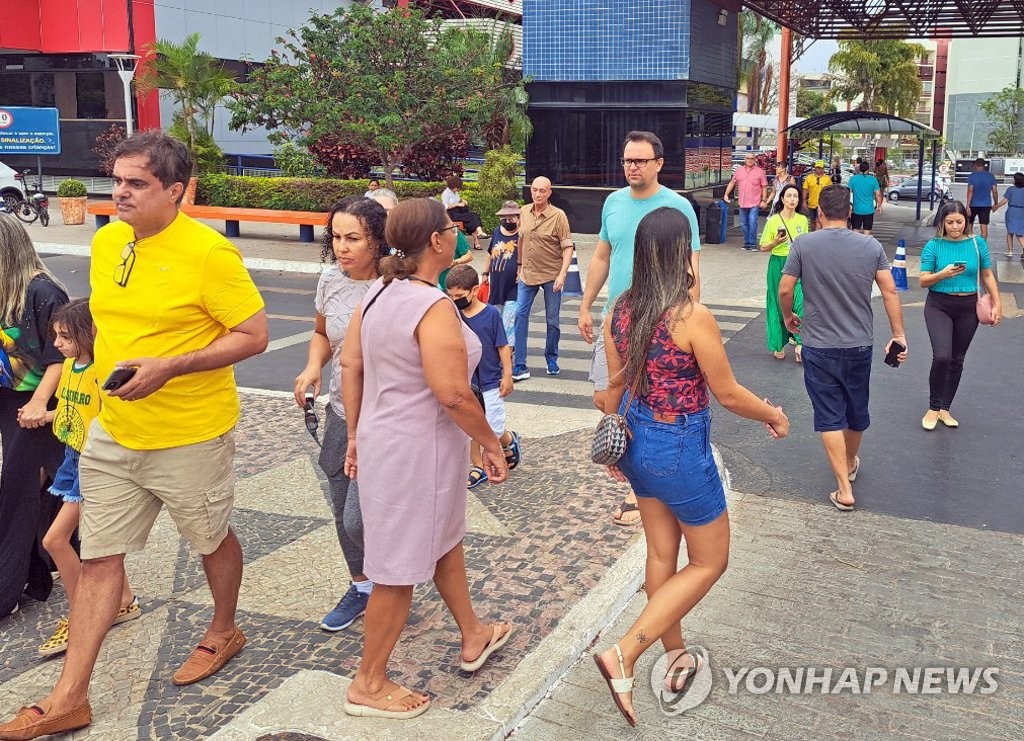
(952, 266)
(784, 225)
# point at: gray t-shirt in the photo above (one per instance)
(337, 297)
(836, 268)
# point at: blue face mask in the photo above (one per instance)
(462, 303)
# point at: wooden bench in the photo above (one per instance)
(232, 216)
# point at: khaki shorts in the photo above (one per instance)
(123, 491)
(599, 365)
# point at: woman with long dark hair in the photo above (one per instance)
(953, 265)
(354, 244)
(784, 225)
(30, 367)
(667, 350)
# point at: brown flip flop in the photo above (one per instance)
(206, 660)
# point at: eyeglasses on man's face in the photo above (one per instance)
(449, 228)
(124, 271)
(638, 163)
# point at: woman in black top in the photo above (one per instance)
(30, 368)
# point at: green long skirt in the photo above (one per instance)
(778, 335)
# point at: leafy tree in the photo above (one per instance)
(882, 73)
(382, 83)
(195, 80)
(758, 67)
(1004, 110)
(297, 162)
(105, 145)
(207, 156)
(812, 103)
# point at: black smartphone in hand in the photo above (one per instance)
(119, 377)
(894, 350)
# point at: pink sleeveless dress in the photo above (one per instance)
(412, 458)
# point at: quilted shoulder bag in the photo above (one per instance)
(611, 435)
(986, 311)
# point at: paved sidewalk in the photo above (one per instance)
(807, 587)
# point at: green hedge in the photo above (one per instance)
(294, 194)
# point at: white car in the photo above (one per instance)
(10, 189)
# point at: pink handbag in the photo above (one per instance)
(986, 312)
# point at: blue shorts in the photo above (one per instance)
(673, 463)
(837, 380)
(65, 483)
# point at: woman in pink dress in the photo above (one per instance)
(406, 365)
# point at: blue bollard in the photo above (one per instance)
(899, 266)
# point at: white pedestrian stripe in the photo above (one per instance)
(571, 388)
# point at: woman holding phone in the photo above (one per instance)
(953, 264)
(784, 225)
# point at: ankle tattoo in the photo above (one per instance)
(641, 637)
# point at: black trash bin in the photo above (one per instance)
(716, 222)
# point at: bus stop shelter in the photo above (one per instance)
(869, 123)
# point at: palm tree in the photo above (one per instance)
(195, 80)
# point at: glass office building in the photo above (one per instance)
(601, 68)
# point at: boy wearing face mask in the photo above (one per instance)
(502, 266)
(494, 373)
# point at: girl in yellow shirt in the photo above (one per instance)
(78, 403)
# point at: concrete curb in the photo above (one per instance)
(580, 629)
(252, 263)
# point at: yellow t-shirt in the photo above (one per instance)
(794, 228)
(187, 287)
(78, 403)
(813, 186)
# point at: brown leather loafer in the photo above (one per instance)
(208, 659)
(34, 721)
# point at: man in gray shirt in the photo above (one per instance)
(837, 267)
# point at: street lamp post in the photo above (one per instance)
(126, 66)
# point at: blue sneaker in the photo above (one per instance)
(553, 369)
(520, 374)
(514, 452)
(351, 606)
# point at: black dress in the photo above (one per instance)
(26, 508)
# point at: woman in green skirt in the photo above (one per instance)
(784, 225)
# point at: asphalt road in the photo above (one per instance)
(972, 476)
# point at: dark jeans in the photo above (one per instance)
(552, 307)
(343, 492)
(26, 509)
(952, 322)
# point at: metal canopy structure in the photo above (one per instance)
(895, 19)
(859, 122)
(871, 122)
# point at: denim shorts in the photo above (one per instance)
(837, 380)
(65, 483)
(673, 463)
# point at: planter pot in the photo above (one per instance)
(73, 210)
(189, 199)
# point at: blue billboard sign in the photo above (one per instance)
(25, 130)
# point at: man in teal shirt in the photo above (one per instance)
(867, 200)
(643, 156)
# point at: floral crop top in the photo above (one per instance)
(677, 385)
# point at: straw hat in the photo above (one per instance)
(509, 208)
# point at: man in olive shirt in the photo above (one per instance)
(544, 253)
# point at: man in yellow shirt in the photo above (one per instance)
(814, 183)
(172, 300)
